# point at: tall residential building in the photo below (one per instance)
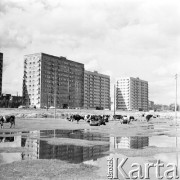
(96, 90)
(132, 94)
(1, 70)
(52, 81)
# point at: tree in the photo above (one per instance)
(172, 107)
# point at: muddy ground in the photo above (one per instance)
(57, 169)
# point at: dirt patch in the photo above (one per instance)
(47, 169)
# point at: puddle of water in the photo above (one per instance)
(164, 141)
(95, 155)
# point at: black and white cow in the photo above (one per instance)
(7, 119)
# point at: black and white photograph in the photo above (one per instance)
(89, 89)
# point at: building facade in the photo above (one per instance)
(132, 94)
(96, 90)
(52, 81)
(1, 71)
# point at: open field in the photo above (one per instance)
(58, 169)
(61, 113)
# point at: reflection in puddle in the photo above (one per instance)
(164, 141)
(128, 142)
(39, 149)
(95, 155)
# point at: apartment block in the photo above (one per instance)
(96, 90)
(132, 94)
(1, 70)
(52, 81)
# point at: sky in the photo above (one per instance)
(132, 38)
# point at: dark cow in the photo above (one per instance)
(76, 117)
(148, 117)
(131, 118)
(7, 119)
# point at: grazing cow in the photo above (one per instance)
(125, 120)
(97, 120)
(7, 119)
(131, 118)
(76, 117)
(87, 118)
(148, 117)
(106, 118)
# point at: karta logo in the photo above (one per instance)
(115, 167)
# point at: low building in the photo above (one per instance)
(10, 101)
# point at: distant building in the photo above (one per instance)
(151, 105)
(10, 101)
(96, 90)
(52, 81)
(132, 94)
(1, 71)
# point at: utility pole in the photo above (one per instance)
(176, 76)
(47, 100)
(68, 94)
(104, 98)
(55, 89)
(114, 99)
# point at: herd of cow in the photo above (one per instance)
(97, 120)
(93, 120)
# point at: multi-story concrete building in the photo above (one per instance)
(52, 81)
(132, 94)
(1, 70)
(96, 90)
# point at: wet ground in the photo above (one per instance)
(138, 149)
(47, 148)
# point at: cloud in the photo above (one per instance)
(168, 70)
(92, 65)
(126, 37)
